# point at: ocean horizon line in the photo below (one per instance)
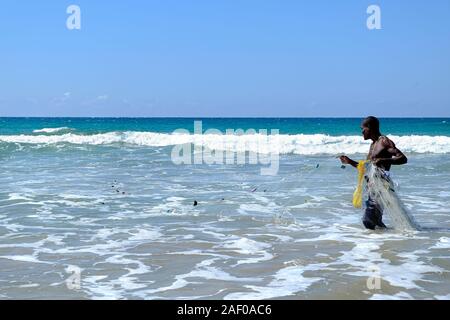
(205, 117)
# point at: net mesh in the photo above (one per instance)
(381, 189)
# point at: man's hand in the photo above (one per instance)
(347, 160)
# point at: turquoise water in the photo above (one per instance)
(330, 126)
(104, 197)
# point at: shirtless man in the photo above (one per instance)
(383, 154)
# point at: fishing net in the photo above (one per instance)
(381, 189)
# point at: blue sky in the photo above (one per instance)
(271, 58)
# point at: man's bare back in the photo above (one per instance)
(383, 153)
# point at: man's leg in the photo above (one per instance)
(373, 215)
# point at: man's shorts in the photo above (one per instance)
(373, 215)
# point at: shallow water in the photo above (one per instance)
(296, 236)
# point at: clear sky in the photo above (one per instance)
(270, 58)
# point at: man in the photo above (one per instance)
(383, 154)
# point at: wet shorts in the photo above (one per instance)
(373, 215)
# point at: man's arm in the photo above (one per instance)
(397, 157)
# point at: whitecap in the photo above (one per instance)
(50, 130)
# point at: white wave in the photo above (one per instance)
(303, 144)
(443, 243)
(286, 282)
(50, 130)
(245, 246)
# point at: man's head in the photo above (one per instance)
(370, 127)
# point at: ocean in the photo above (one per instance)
(99, 208)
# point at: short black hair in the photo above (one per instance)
(372, 123)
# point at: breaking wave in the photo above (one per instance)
(303, 144)
(51, 130)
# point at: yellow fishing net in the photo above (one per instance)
(358, 194)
